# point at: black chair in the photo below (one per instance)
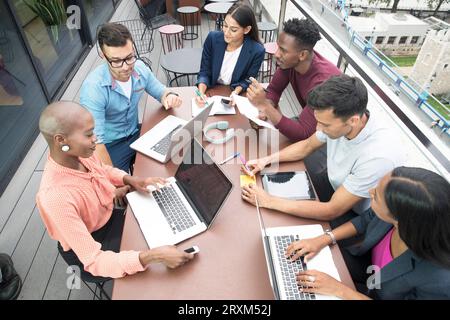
(142, 38)
(154, 16)
(85, 276)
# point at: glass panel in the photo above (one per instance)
(55, 48)
(21, 99)
(97, 12)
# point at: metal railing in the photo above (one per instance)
(347, 56)
(409, 87)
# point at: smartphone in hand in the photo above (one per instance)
(193, 250)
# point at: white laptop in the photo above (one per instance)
(282, 272)
(170, 135)
(188, 205)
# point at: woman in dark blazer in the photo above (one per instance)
(406, 242)
(233, 55)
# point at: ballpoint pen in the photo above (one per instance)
(230, 157)
(197, 92)
(244, 163)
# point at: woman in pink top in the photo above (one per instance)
(406, 237)
(76, 199)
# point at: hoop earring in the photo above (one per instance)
(65, 148)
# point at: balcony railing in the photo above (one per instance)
(355, 51)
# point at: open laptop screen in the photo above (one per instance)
(203, 181)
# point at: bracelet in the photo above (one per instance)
(333, 238)
(174, 93)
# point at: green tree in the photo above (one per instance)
(394, 6)
(436, 4)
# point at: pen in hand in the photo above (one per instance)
(244, 162)
(197, 92)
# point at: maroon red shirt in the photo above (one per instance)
(321, 70)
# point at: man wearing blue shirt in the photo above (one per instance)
(112, 92)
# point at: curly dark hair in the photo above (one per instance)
(305, 31)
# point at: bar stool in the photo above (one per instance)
(189, 19)
(267, 31)
(267, 70)
(172, 33)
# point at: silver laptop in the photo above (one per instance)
(282, 272)
(188, 205)
(170, 135)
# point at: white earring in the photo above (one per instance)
(65, 148)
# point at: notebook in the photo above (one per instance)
(293, 185)
(188, 205)
(217, 109)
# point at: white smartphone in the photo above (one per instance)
(193, 250)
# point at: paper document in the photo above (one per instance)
(217, 108)
(250, 111)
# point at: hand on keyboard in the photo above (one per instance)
(141, 184)
(313, 281)
(306, 247)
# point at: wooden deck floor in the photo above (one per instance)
(22, 232)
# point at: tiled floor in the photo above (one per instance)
(22, 233)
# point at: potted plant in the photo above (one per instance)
(52, 13)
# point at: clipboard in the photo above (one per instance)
(293, 185)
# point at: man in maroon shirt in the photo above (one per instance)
(300, 66)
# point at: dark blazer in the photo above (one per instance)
(405, 277)
(248, 64)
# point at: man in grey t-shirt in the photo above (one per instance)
(360, 151)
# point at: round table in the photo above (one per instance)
(267, 30)
(189, 19)
(181, 63)
(220, 9)
(171, 32)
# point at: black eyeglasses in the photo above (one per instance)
(119, 63)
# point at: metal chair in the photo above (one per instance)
(151, 17)
(142, 39)
(85, 276)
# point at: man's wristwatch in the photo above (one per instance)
(331, 235)
(174, 93)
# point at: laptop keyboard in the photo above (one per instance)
(162, 146)
(290, 269)
(174, 211)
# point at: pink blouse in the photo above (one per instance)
(73, 204)
(381, 253)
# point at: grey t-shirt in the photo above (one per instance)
(358, 164)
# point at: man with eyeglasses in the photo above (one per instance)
(112, 92)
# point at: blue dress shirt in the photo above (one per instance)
(116, 115)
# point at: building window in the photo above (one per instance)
(414, 40)
(402, 40)
(445, 66)
(391, 40)
(368, 39)
(379, 40)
